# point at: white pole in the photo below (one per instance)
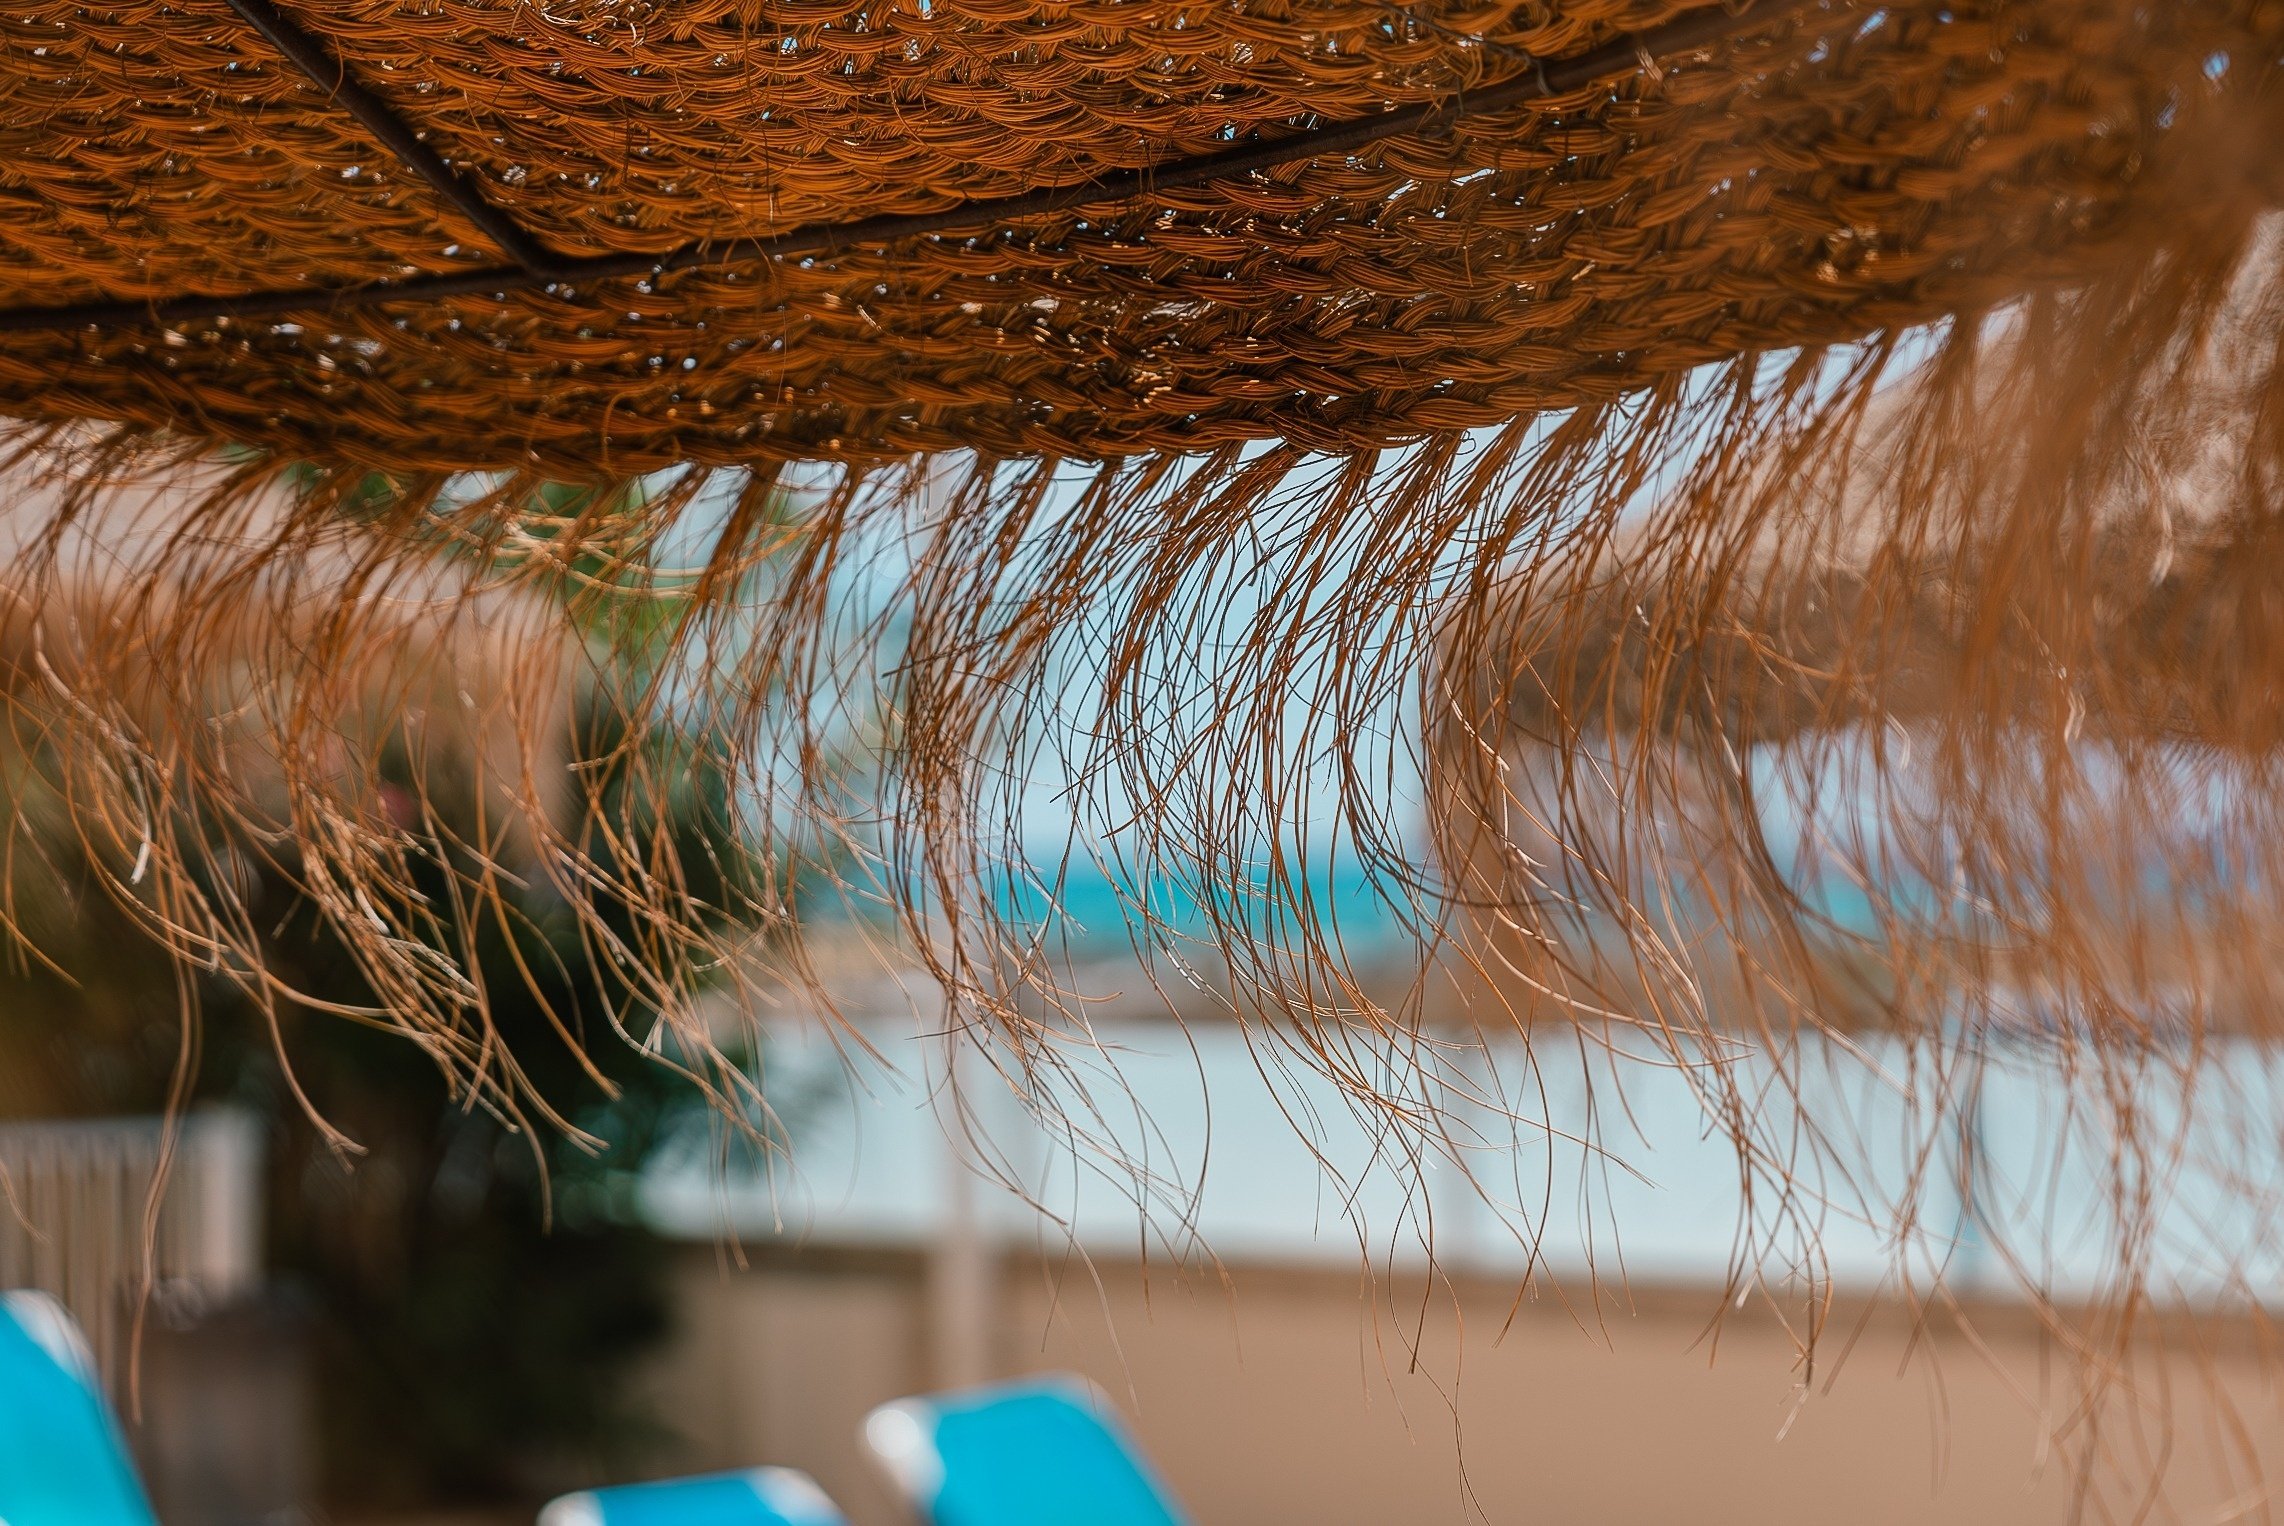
(962, 1291)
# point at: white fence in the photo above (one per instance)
(82, 1215)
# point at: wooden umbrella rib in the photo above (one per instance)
(1629, 54)
(331, 74)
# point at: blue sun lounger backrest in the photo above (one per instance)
(1044, 1452)
(752, 1497)
(62, 1459)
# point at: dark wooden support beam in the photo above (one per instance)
(398, 136)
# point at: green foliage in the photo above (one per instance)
(485, 1297)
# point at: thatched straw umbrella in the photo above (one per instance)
(1199, 359)
(2026, 623)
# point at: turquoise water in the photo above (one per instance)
(1095, 909)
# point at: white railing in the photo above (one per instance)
(1214, 1140)
(80, 1217)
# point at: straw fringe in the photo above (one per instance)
(1974, 570)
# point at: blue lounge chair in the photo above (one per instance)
(62, 1459)
(754, 1497)
(1043, 1452)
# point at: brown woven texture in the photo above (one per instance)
(1832, 171)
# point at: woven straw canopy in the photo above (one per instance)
(1276, 406)
(625, 234)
